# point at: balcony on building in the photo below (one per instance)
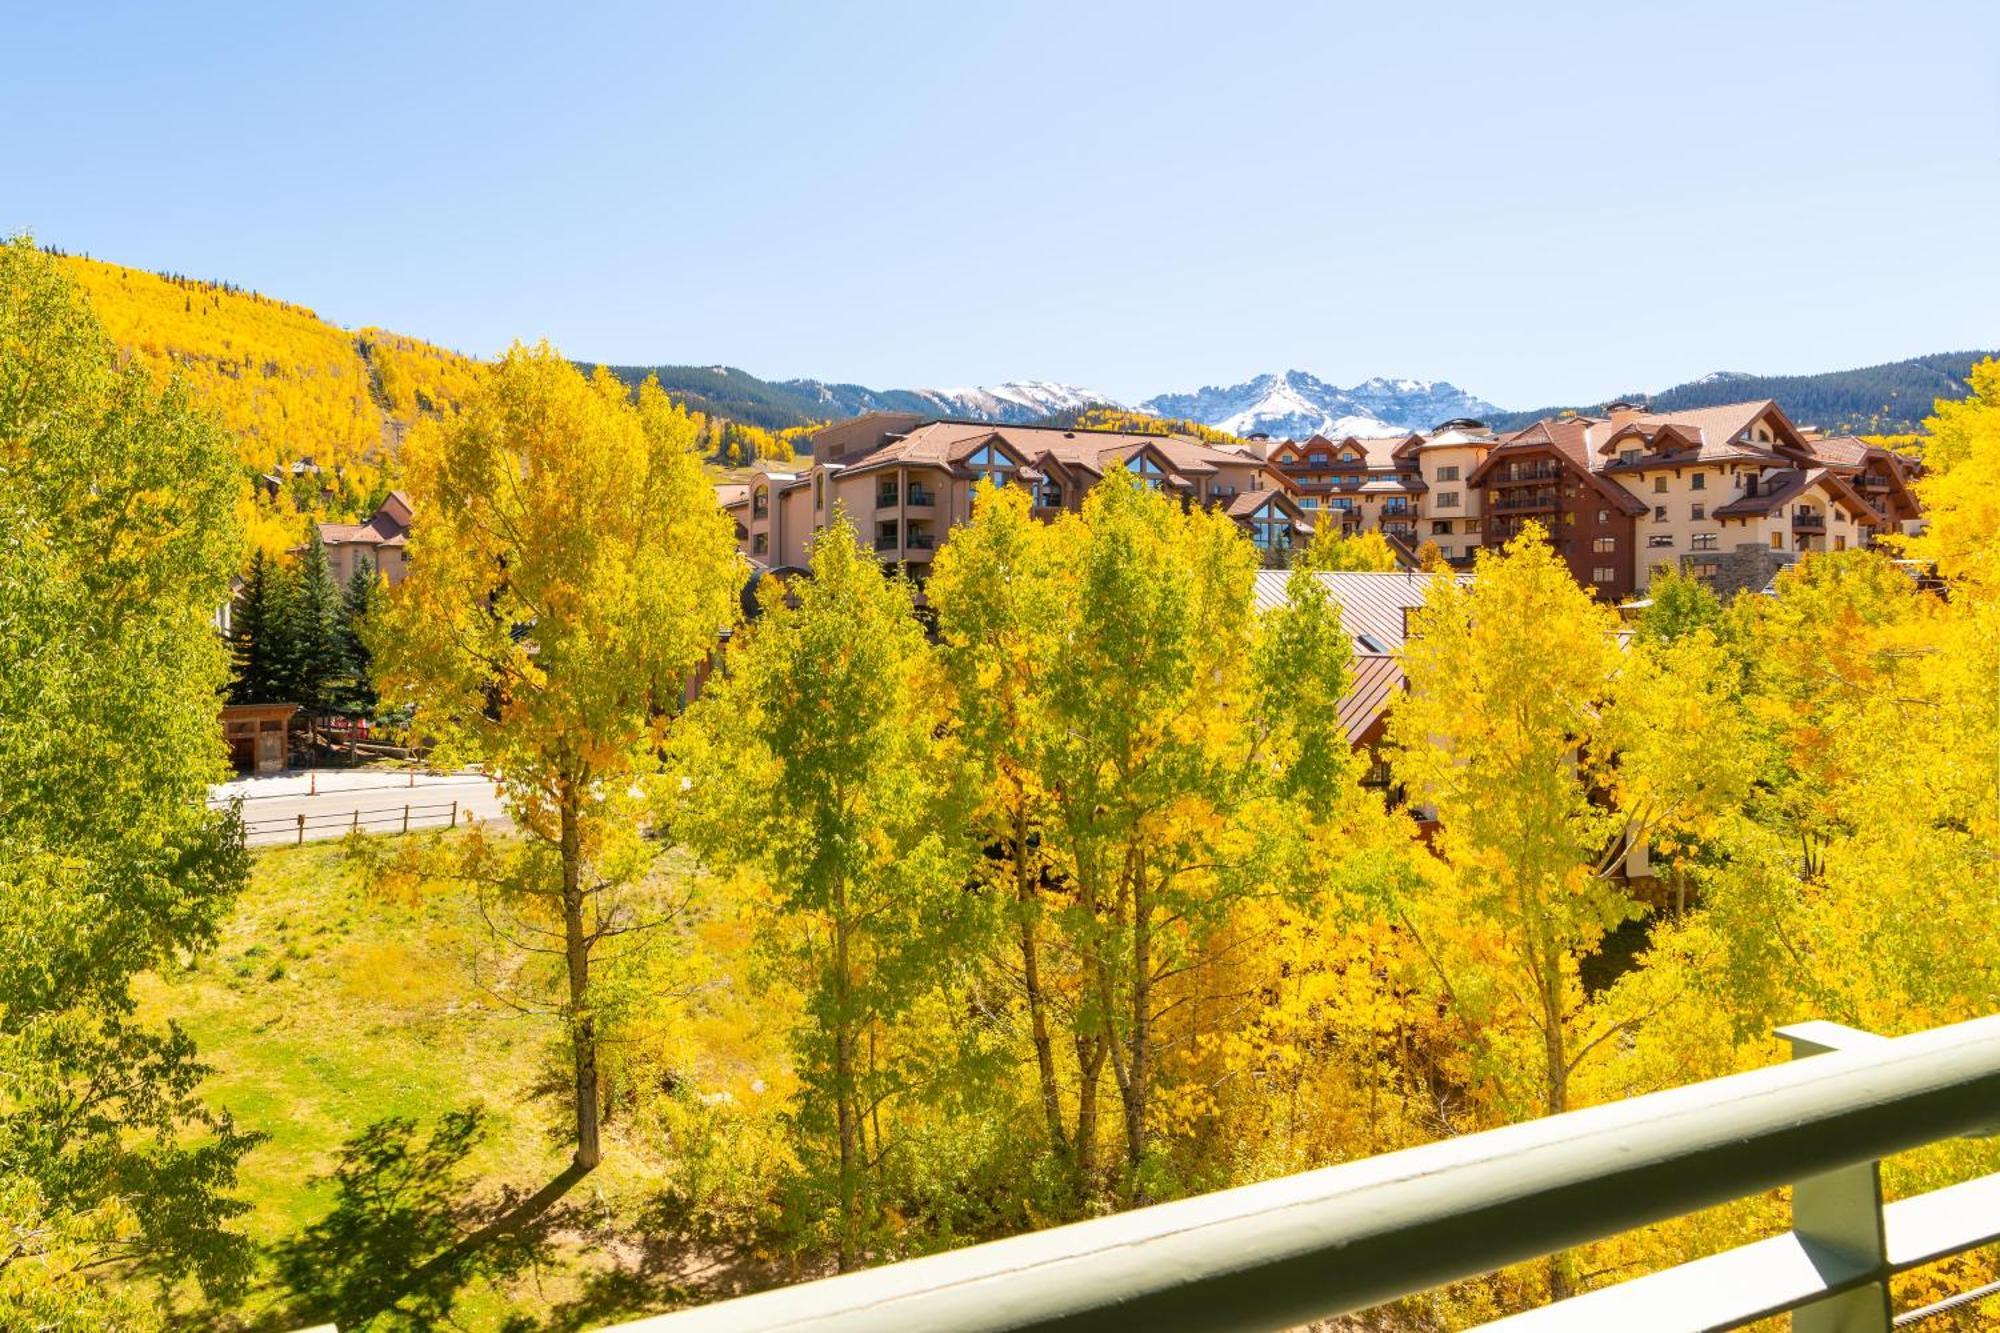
(1521, 474)
(887, 493)
(1351, 1237)
(1808, 520)
(921, 496)
(886, 538)
(919, 542)
(1397, 509)
(1530, 502)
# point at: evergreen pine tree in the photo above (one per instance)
(259, 651)
(316, 625)
(360, 597)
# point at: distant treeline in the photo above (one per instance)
(1889, 399)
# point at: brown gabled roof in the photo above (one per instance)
(1569, 439)
(949, 443)
(1843, 451)
(1702, 434)
(381, 528)
(1782, 488)
(1378, 453)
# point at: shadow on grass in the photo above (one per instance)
(405, 1235)
(661, 1263)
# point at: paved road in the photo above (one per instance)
(274, 819)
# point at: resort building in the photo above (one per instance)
(906, 480)
(383, 539)
(1727, 493)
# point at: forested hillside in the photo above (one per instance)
(1137, 423)
(290, 386)
(1889, 399)
(294, 389)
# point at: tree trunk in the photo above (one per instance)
(576, 953)
(1026, 881)
(1090, 1052)
(1136, 1086)
(843, 1085)
(1555, 1054)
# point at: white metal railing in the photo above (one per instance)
(1278, 1254)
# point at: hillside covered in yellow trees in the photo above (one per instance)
(316, 408)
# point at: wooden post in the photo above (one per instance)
(406, 819)
(302, 830)
(354, 826)
(454, 812)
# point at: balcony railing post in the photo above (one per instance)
(1839, 1214)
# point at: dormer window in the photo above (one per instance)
(989, 463)
(1319, 458)
(1271, 530)
(1148, 470)
(1628, 455)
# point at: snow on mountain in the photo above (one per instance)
(1296, 405)
(1013, 403)
(1021, 400)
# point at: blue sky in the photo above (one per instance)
(1538, 202)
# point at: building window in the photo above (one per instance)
(1628, 455)
(1777, 541)
(1048, 493)
(1659, 485)
(1448, 473)
(1840, 543)
(1604, 516)
(1659, 513)
(1319, 458)
(1604, 574)
(1271, 530)
(885, 536)
(1148, 471)
(1447, 500)
(760, 544)
(1702, 569)
(885, 493)
(1699, 481)
(1699, 513)
(1604, 545)
(1662, 570)
(989, 463)
(1663, 540)
(1441, 528)
(1704, 541)
(819, 490)
(760, 502)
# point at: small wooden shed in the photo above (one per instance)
(256, 735)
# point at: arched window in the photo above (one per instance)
(760, 502)
(1148, 470)
(989, 463)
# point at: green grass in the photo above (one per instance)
(331, 1004)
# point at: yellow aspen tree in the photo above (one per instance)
(569, 572)
(812, 765)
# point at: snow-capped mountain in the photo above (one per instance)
(1013, 403)
(1296, 405)
(1032, 399)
